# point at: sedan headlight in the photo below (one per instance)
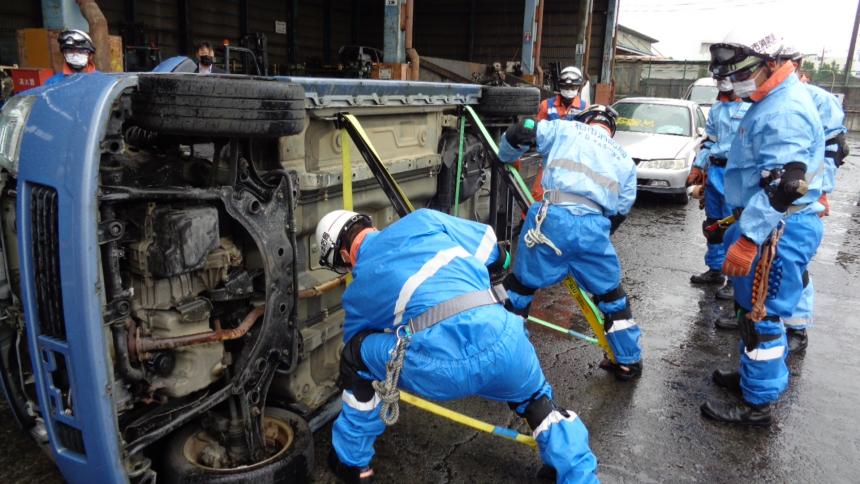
(668, 164)
(13, 118)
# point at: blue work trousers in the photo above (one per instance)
(764, 374)
(715, 209)
(588, 256)
(507, 370)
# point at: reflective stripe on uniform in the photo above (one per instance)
(766, 354)
(438, 261)
(604, 181)
(796, 321)
(485, 248)
(352, 402)
(621, 325)
(553, 418)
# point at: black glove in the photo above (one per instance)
(498, 268)
(842, 150)
(615, 221)
(522, 134)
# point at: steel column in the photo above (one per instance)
(529, 33)
(609, 42)
(394, 45)
(582, 33)
(63, 14)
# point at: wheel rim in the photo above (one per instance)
(277, 434)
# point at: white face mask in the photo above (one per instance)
(77, 60)
(744, 89)
(569, 93)
(724, 85)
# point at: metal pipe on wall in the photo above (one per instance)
(609, 42)
(538, 38)
(582, 32)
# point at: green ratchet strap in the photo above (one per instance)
(586, 305)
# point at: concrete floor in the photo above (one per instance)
(649, 430)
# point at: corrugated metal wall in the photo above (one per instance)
(442, 27)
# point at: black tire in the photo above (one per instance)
(509, 101)
(681, 198)
(293, 466)
(218, 106)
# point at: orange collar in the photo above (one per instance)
(356, 245)
(773, 81)
(86, 70)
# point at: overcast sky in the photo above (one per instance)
(681, 25)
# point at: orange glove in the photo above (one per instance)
(823, 200)
(739, 257)
(696, 176)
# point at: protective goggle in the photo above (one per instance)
(734, 61)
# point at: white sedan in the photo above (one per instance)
(662, 136)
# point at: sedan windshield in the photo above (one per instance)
(705, 95)
(653, 118)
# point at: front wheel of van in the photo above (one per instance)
(189, 454)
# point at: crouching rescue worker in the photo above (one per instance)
(590, 185)
(78, 52)
(723, 121)
(421, 302)
(773, 179)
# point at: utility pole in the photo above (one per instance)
(853, 43)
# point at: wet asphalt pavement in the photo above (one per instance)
(649, 430)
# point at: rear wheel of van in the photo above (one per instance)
(213, 105)
(509, 101)
(185, 459)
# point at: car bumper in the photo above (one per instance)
(661, 181)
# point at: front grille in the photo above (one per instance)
(46, 261)
(70, 438)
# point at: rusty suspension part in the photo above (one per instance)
(144, 345)
(323, 288)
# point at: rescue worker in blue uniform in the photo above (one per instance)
(723, 121)
(773, 182)
(425, 280)
(835, 151)
(590, 186)
(78, 53)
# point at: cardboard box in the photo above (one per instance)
(396, 72)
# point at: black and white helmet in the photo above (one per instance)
(570, 78)
(330, 232)
(75, 39)
(598, 113)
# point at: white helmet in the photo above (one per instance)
(745, 49)
(570, 77)
(330, 230)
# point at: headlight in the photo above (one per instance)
(13, 118)
(669, 164)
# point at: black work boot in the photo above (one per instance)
(710, 276)
(726, 293)
(742, 414)
(797, 340)
(349, 474)
(622, 372)
(730, 380)
(728, 323)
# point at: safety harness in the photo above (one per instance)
(387, 389)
